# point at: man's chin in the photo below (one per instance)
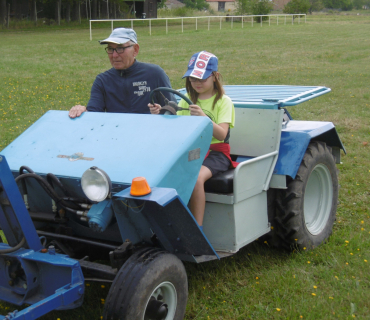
(117, 66)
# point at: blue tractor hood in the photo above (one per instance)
(167, 150)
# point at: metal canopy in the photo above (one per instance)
(271, 97)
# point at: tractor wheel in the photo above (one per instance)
(306, 210)
(151, 285)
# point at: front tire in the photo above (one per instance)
(306, 210)
(152, 284)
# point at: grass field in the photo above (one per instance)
(47, 70)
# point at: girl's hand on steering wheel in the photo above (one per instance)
(196, 110)
(154, 108)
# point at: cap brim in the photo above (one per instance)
(116, 40)
(187, 74)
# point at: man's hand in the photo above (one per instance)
(154, 108)
(76, 111)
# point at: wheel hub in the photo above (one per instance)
(318, 199)
(162, 303)
(156, 310)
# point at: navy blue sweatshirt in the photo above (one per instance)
(127, 91)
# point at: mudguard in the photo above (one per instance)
(170, 222)
(295, 139)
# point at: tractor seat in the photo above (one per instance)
(224, 182)
(221, 183)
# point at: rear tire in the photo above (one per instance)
(149, 274)
(306, 210)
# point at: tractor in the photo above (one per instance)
(103, 197)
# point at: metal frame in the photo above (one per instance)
(28, 275)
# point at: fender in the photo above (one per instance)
(172, 223)
(295, 139)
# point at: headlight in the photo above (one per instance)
(96, 184)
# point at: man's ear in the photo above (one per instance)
(136, 49)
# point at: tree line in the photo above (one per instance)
(53, 11)
(56, 10)
(305, 6)
(298, 6)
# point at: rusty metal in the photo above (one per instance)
(76, 156)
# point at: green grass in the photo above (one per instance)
(47, 70)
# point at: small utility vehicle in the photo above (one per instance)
(115, 187)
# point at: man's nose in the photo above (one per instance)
(115, 54)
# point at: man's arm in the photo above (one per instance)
(96, 102)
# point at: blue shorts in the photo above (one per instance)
(217, 162)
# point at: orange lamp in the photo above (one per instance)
(140, 187)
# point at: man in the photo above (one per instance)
(126, 87)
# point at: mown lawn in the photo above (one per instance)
(46, 70)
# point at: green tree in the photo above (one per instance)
(161, 4)
(3, 12)
(316, 5)
(346, 5)
(243, 6)
(261, 7)
(196, 4)
(297, 6)
(358, 4)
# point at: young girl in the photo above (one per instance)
(205, 90)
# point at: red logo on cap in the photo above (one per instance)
(191, 61)
(197, 73)
(204, 57)
(201, 65)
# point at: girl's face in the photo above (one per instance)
(203, 87)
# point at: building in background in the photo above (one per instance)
(279, 4)
(223, 6)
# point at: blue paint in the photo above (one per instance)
(125, 146)
(160, 148)
(171, 221)
(15, 218)
(38, 286)
(162, 196)
(100, 215)
(270, 97)
(295, 140)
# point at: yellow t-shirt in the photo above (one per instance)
(223, 111)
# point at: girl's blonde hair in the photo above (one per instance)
(217, 85)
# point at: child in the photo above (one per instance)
(205, 90)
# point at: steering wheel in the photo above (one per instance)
(171, 107)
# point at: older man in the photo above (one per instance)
(125, 88)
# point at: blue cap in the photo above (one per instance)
(121, 36)
(201, 65)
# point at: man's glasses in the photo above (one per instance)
(119, 50)
(191, 79)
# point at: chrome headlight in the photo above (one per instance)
(96, 184)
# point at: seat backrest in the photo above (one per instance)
(256, 132)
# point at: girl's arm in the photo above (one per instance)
(219, 130)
